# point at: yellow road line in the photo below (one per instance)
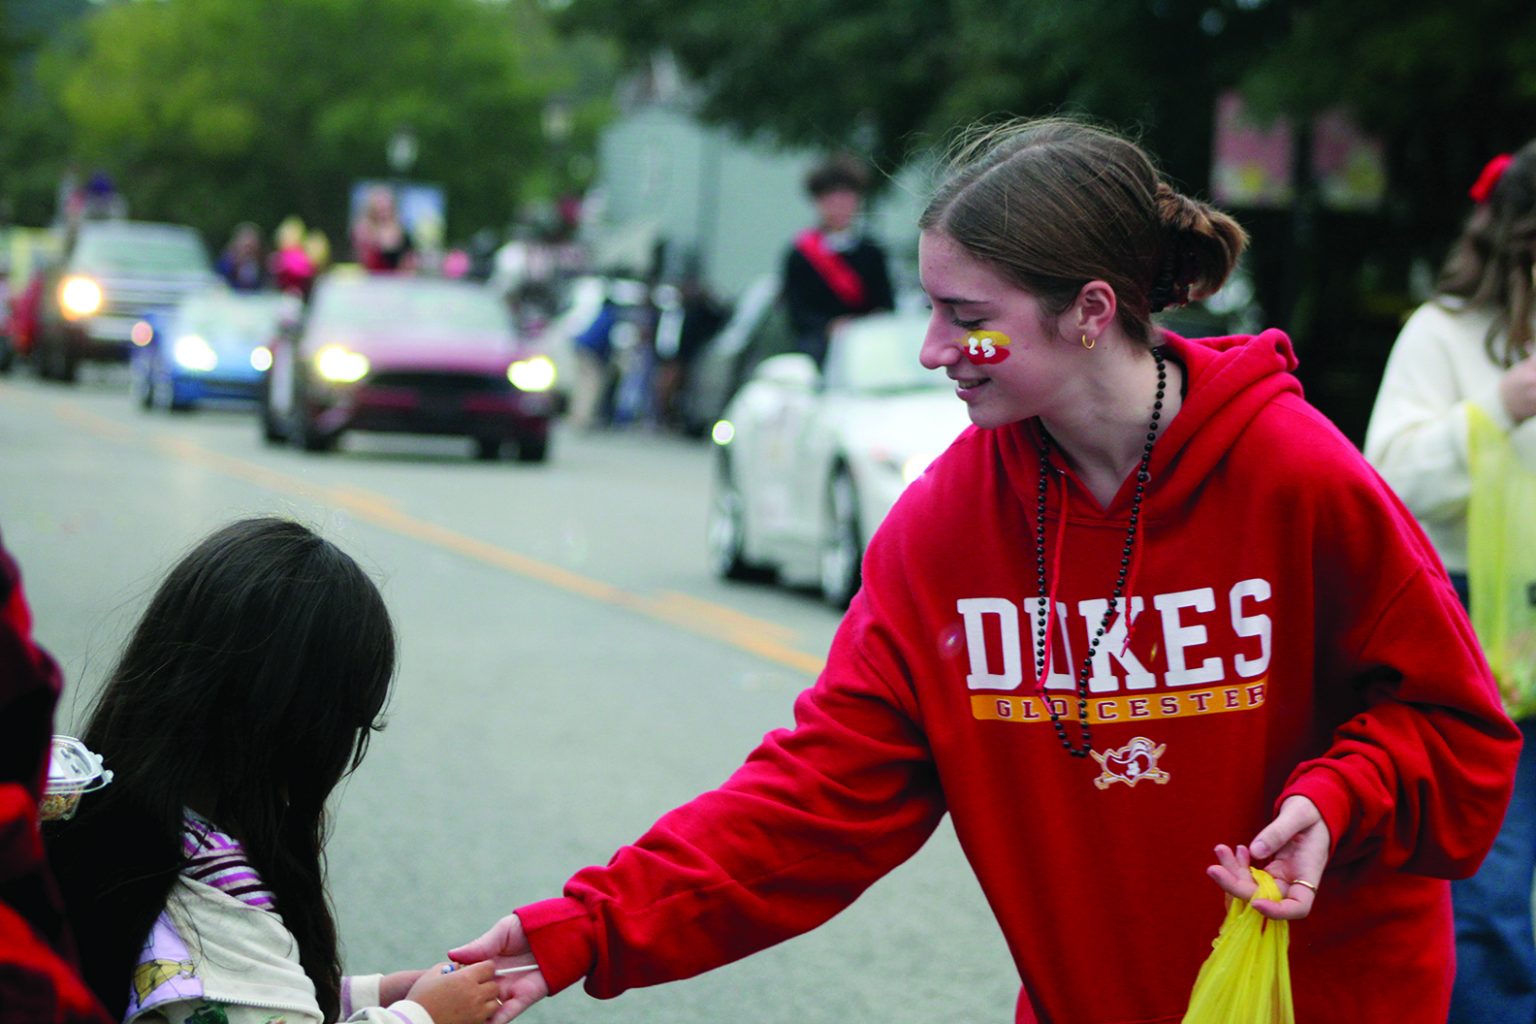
(767, 640)
(89, 421)
(727, 618)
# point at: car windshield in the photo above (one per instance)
(410, 304)
(880, 357)
(146, 252)
(235, 318)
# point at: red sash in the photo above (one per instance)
(840, 277)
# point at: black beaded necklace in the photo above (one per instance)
(1047, 609)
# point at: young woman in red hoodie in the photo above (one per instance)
(1152, 603)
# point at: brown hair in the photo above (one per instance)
(842, 171)
(1490, 265)
(1056, 203)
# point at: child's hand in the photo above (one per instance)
(395, 985)
(457, 995)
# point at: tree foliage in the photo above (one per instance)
(212, 112)
(893, 76)
(1447, 84)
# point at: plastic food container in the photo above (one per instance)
(73, 770)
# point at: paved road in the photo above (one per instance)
(568, 670)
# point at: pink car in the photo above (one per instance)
(404, 354)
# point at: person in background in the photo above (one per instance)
(317, 246)
(591, 392)
(39, 975)
(633, 358)
(380, 242)
(195, 881)
(832, 271)
(293, 271)
(687, 321)
(1149, 605)
(243, 264)
(1471, 346)
(97, 199)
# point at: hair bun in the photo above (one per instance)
(1202, 248)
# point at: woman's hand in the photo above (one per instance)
(1517, 390)
(519, 981)
(1296, 845)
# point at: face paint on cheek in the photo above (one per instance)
(982, 347)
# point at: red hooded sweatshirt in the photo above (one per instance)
(1294, 634)
(39, 982)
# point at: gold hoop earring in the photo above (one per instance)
(1089, 342)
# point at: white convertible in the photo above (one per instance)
(810, 462)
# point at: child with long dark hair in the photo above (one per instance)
(195, 881)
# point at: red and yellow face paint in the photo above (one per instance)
(983, 347)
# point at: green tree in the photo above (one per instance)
(891, 77)
(1445, 86)
(34, 142)
(217, 111)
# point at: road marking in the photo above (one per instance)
(675, 601)
(89, 421)
(760, 637)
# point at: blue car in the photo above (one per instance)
(213, 346)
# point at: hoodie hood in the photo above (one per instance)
(1229, 381)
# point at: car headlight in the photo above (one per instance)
(261, 358)
(193, 352)
(723, 432)
(535, 374)
(79, 297)
(340, 365)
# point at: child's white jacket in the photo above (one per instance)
(212, 959)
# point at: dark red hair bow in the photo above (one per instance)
(1489, 179)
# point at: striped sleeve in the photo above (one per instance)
(217, 859)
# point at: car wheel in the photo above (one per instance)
(53, 360)
(272, 431)
(488, 449)
(37, 359)
(533, 449)
(162, 395)
(7, 356)
(63, 364)
(139, 388)
(842, 548)
(727, 533)
(306, 435)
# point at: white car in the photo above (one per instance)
(810, 462)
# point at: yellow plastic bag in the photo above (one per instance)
(1501, 560)
(1247, 977)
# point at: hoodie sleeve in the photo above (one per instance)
(816, 814)
(1420, 770)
